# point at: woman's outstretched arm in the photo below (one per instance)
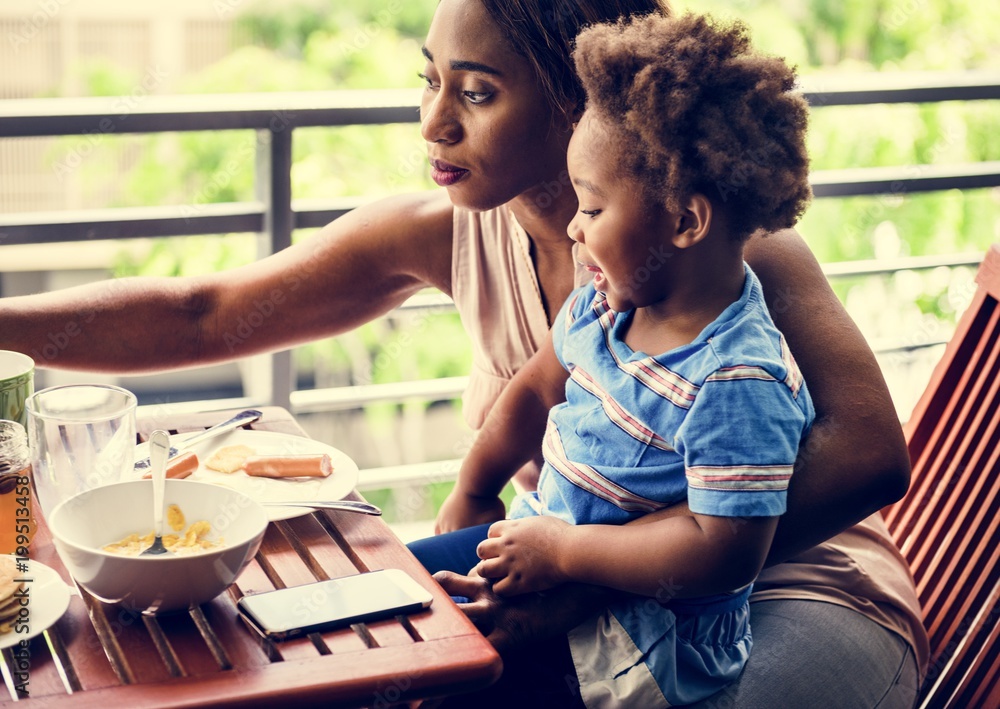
(854, 461)
(357, 268)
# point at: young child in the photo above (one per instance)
(666, 378)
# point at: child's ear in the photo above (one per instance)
(692, 222)
(567, 119)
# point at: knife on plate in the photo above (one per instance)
(240, 419)
(344, 505)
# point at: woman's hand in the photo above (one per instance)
(461, 510)
(511, 623)
(522, 555)
(484, 609)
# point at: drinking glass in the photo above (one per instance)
(80, 436)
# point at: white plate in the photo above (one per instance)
(335, 487)
(48, 599)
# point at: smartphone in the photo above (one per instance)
(335, 603)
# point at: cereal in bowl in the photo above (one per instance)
(192, 541)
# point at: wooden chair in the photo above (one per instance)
(948, 525)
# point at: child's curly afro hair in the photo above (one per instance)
(698, 111)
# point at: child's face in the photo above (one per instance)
(622, 234)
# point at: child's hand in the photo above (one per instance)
(522, 555)
(460, 510)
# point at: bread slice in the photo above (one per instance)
(229, 459)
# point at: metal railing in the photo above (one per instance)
(275, 214)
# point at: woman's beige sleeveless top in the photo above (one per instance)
(495, 290)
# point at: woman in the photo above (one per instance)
(497, 114)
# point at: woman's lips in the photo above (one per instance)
(445, 174)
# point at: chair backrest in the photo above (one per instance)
(948, 524)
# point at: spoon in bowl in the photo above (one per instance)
(159, 450)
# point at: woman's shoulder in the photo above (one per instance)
(428, 213)
(411, 233)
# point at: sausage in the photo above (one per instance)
(289, 466)
(179, 467)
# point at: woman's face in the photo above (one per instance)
(489, 130)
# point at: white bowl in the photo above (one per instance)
(86, 522)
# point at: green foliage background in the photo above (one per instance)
(317, 45)
(345, 44)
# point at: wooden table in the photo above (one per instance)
(103, 656)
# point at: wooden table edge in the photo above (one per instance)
(320, 681)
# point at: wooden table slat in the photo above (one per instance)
(60, 659)
(89, 663)
(192, 652)
(308, 535)
(243, 648)
(123, 628)
(390, 631)
(281, 561)
(253, 579)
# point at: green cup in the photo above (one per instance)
(17, 382)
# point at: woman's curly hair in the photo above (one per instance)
(698, 111)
